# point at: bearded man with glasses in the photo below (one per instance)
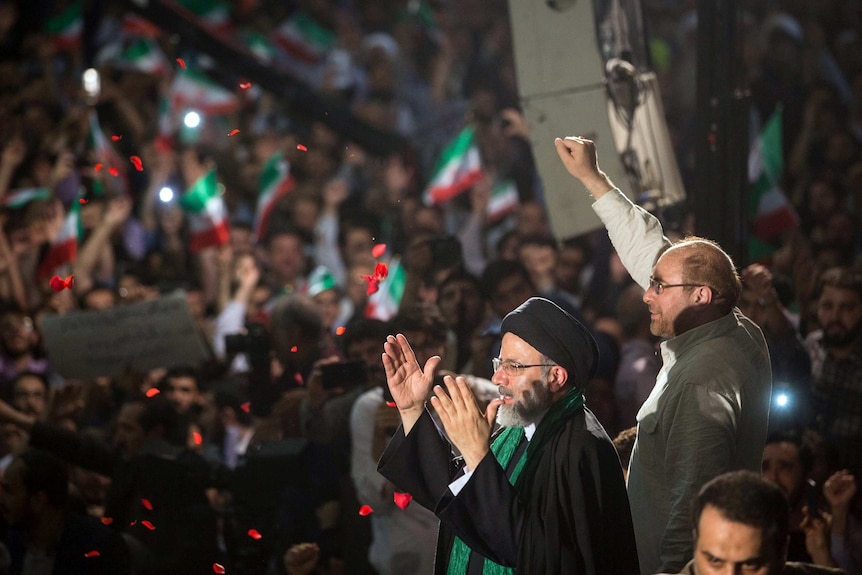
(708, 411)
(545, 494)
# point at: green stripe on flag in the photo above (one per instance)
(196, 197)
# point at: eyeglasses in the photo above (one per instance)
(660, 287)
(512, 368)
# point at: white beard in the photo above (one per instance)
(537, 400)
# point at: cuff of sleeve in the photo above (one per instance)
(456, 486)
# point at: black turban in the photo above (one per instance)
(557, 335)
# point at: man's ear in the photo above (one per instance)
(704, 295)
(557, 378)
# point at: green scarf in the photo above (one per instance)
(503, 448)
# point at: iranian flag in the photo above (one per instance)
(274, 183)
(134, 25)
(770, 209)
(19, 198)
(65, 28)
(165, 135)
(304, 39)
(384, 303)
(503, 201)
(458, 169)
(193, 89)
(64, 248)
(207, 213)
(215, 14)
(143, 55)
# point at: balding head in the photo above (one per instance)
(705, 263)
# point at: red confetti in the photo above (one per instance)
(147, 505)
(197, 438)
(233, 132)
(301, 148)
(378, 250)
(246, 407)
(391, 404)
(98, 167)
(182, 63)
(117, 138)
(381, 271)
(218, 568)
(294, 349)
(107, 520)
(340, 330)
(136, 161)
(373, 285)
(148, 525)
(59, 284)
(245, 85)
(114, 172)
(132, 523)
(297, 377)
(254, 534)
(365, 510)
(92, 553)
(402, 500)
(152, 392)
(82, 201)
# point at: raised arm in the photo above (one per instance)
(408, 382)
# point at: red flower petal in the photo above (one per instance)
(378, 250)
(92, 553)
(197, 438)
(114, 172)
(246, 407)
(69, 281)
(391, 404)
(245, 85)
(98, 167)
(139, 165)
(381, 270)
(152, 392)
(147, 505)
(57, 283)
(373, 286)
(254, 534)
(233, 132)
(402, 500)
(117, 138)
(106, 520)
(365, 510)
(301, 148)
(218, 568)
(340, 330)
(182, 63)
(148, 525)
(297, 377)
(294, 349)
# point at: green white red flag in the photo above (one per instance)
(19, 198)
(274, 183)
(384, 303)
(65, 28)
(214, 13)
(64, 248)
(208, 218)
(503, 201)
(143, 55)
(192, 89)
(457, 170)
(304, 38)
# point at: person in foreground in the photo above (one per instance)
(740, 526)
(546, 495)
(708, 412)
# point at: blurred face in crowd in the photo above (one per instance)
(329, 303)
(129, 436)
(286, 257)
(570, 266)
(526, 393)
(183, 393)
(358, 243)
(368, 351)
(424, 345)
(781, 466)
(839, 314)
(357, 287)
(17, 333)
(100, 299)
(30, 395)
(724, 547)
(461, 304)
(509, 293)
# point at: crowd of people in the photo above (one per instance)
(349, 311)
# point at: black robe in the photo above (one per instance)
(573, 519)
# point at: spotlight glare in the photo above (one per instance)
(781, 400)
(166, 194)
(192, 119)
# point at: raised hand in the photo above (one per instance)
(409, 382)
(466, 426)
(580, 160)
